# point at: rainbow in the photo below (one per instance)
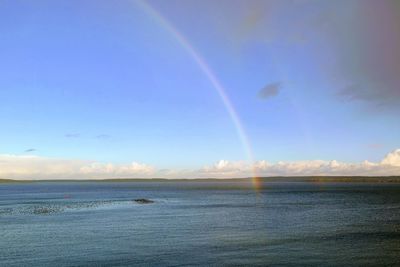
(199, 60)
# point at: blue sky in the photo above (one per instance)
(106, 81)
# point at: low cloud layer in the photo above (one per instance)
(390, 165)
(35, 167)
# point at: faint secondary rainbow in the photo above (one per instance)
(211, 77)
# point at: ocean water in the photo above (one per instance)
(199, 223)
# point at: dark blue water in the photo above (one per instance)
(199, 223)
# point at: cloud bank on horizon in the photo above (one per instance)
(36, 167)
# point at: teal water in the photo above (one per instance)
(199, 223)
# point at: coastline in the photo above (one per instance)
(311, 179)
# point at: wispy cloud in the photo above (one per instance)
(375, 146)
(103, 136)
(270, 90)
(35, 167)
(30, 150)
(72, 135)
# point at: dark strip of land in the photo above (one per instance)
(320, 179)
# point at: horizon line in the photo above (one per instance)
(312, 178)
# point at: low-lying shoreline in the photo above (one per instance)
(313, 179)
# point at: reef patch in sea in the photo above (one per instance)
(54, 208)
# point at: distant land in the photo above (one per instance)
(320, 179)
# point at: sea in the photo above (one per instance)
(199, 223)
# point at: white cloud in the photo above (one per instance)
(393, 158)
(117, 170)
(35, 167)
(390, 165)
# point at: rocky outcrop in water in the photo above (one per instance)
(143, 201)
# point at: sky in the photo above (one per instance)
(185, 89)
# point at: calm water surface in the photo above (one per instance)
(199, 223)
